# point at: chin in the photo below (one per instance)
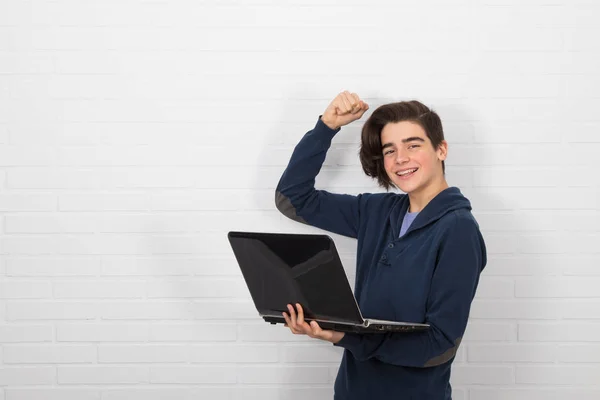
(408, 186)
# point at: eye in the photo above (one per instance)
(385, 153)
(412, 146)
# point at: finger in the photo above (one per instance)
(288, 324)
(345, 105)
(317, 331)
(300, 319)
(293, 318)
(357, 103)
(300, 322)
(352, 101)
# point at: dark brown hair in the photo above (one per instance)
(371, 157)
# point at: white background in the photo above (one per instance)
(134, 134)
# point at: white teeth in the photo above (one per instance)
(407, 172)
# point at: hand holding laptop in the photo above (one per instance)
(299, 326)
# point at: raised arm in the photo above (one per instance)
(296, 196)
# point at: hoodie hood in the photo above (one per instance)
(448, 200)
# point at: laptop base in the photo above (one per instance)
(373, 328)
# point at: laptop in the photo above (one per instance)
(289, 268)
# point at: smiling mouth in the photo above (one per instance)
(407, 173)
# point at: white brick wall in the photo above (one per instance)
(134, 135)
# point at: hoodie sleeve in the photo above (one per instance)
(297, 198)
(461, 258)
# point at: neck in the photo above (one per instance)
(419, 199)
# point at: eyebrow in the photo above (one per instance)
(410, 139)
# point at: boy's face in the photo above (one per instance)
(409, 158)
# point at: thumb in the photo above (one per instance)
(363, 110)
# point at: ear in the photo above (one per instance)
(442, 150)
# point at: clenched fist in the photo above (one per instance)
(343, 109)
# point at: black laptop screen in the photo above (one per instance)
(280, 269)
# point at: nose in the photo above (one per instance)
(401, 157)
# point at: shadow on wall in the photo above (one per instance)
(521, 246)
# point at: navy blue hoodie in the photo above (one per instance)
(430, 275)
